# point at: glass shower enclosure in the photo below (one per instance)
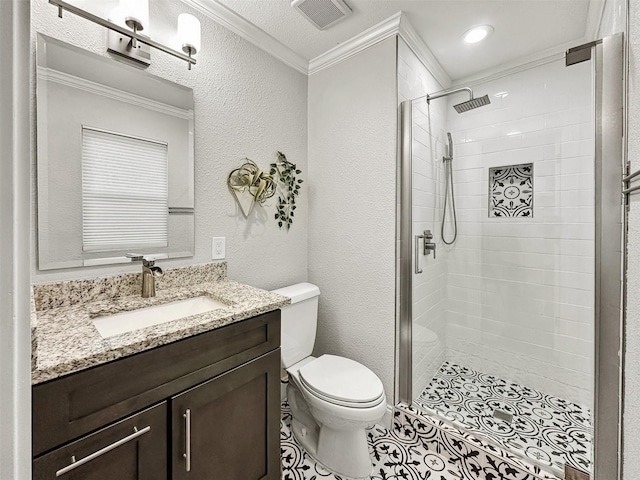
(499, 329)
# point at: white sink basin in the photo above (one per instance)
(146, 317)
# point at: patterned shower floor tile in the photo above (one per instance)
(547, 429)
(393, 458)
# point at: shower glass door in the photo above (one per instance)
(503, 318)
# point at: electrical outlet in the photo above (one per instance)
(217, 248)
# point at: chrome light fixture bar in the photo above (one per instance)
(134, 35)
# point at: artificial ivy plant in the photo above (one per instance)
(288, 189)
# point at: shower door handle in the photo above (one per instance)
(417, 268)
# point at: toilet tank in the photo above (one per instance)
(298, 322)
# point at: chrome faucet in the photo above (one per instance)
(149, 273)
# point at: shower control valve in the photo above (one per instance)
(429, 246)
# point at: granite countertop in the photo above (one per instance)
(65, 340)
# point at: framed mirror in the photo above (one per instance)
(115, 160)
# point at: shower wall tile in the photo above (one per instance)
(520, 290)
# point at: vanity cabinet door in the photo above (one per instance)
(228, 428)
(132, 449)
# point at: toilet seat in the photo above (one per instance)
(342, 381)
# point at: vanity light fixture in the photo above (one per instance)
(136, 19)
(477, 34)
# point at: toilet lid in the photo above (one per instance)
(341, 379)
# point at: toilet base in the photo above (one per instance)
(342, 451)
(337, 452)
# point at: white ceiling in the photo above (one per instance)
(523, 28)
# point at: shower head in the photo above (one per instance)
(472, 103)
(464, 106)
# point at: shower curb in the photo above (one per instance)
(463, 449)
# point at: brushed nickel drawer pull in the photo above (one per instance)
(187, 441)
(136, 433)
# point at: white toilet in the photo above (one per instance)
(333, 399)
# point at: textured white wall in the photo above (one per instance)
(247, 104)
(521, 289)
(429, 287)
(352, 166)
(631, 414)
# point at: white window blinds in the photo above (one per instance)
(124, 191)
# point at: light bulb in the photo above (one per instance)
(189, 33)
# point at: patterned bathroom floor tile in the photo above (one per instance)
(545, 428)
(393, 458)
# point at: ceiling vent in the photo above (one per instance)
(322, 13)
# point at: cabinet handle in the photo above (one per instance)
(75, 464)
(187, 440)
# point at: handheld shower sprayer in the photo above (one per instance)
(448, 182)
(448, 154)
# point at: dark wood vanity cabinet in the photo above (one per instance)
(206, 407)
(222, 425)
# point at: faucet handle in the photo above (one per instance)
(135, 257)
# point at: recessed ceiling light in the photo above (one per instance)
(477, 34)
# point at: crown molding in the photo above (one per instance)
(416, 43)
(397, 24)
(247, 30)
(383, 30)
(556, 53)
(69, 80)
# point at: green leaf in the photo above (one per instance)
(277, 216)
(280, 224)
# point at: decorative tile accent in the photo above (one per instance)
(511, 191)
(547, 429)
(392, 457)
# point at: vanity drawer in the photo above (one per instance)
(74, 405)
(132, 449)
